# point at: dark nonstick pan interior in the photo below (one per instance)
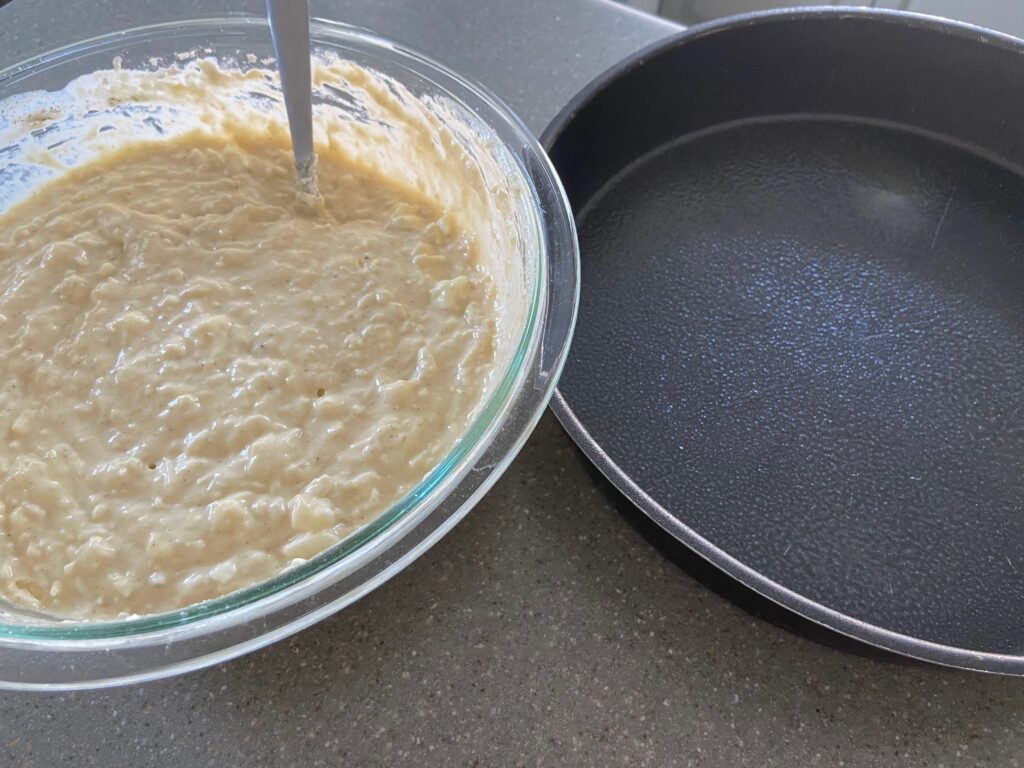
(801, 338)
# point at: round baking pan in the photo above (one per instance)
(800, 346)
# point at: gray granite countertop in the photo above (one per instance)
(552, 626)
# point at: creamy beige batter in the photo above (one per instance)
(206, 381)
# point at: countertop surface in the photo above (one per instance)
(554, 626)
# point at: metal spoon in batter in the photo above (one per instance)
(289, 28)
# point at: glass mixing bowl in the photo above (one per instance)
(36, 652)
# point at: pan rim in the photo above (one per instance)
(564, 117)
(900, 643)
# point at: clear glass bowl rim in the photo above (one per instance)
(490, 417)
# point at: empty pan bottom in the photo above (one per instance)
(816, 328)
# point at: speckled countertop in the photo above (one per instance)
(553, 626)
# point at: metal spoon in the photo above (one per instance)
(289, 28)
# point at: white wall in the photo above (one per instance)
(1003, 15)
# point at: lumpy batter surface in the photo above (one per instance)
(206, 381)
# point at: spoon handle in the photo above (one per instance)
(289, 28)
